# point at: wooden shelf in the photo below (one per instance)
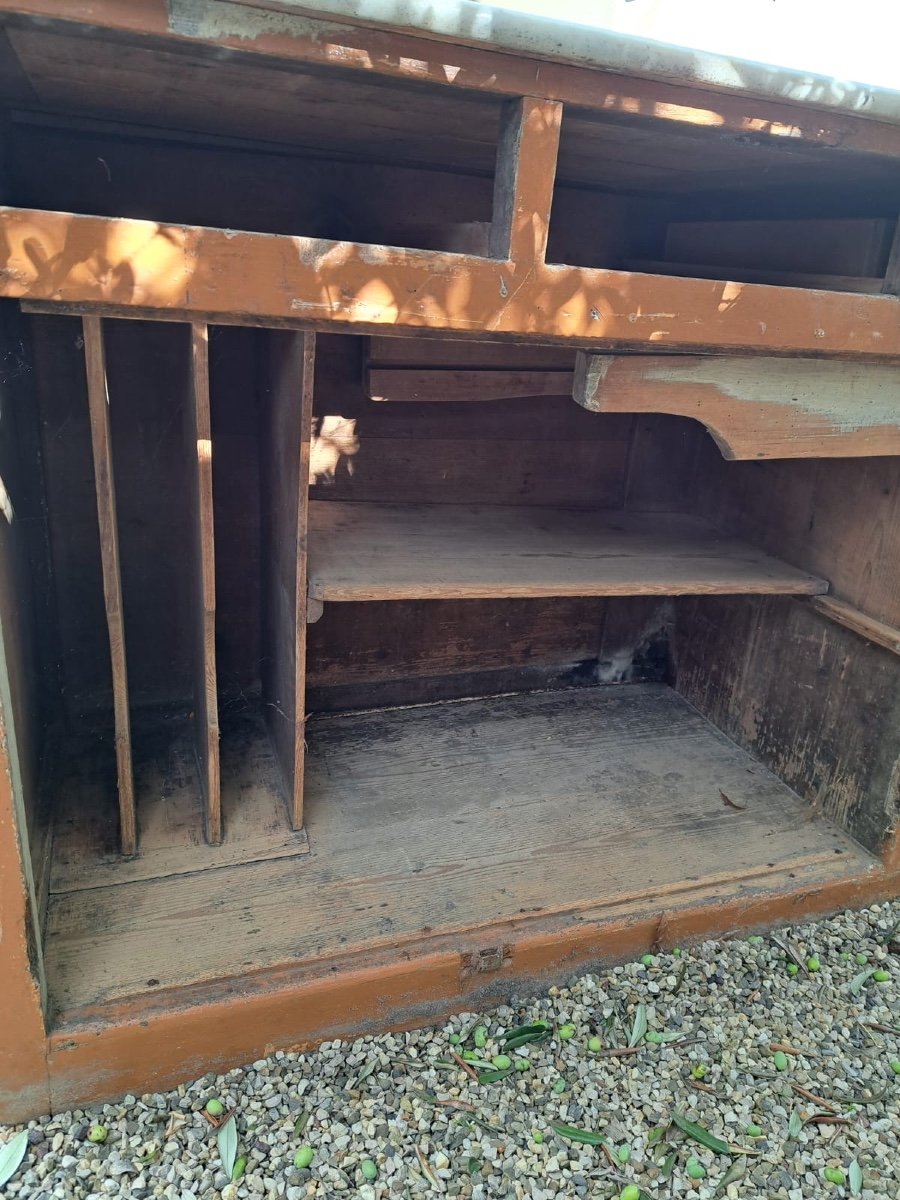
(426, 824)
(394, 552)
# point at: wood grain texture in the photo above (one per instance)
(808, 698)
(430, 353)
(206, 704)
(104, 481)
(449, 386)
(384, 552)
(284, 474)
(376, 52)
(845, 246)
(170, 801)
(891, 283)
(437, 818)
(525, 171)
(396, 652)
(756, 407)
(178, 272)
(865, 284)
(851, 618)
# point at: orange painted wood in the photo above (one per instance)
(523, 179)
(421, 59)
(206, 705)
(454, 551)
(180, 271)
(98, 402)
(287, 427)
(756, 407)
(867, 284)
(464, 385)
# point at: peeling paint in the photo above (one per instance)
(204, 21)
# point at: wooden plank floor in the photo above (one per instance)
(440, 551)
(443, 818)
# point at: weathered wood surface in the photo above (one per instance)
(805, 697)
(372, 654)
(392, 552)
(891, 283)
(206, 703)
(169, 271)
(462, 385)
(523, 179)
(284, 474)
(866, 284)
(435, 353)
(756, 407)
(171, 806)
(851, 618)
(376, 52)
(855, 246)
(104, 481)
(437, 818)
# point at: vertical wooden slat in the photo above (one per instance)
(891, 283)
(206, 709)
(287, 422)
(98, 402)
(523, 179)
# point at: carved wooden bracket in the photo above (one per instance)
(756, 407)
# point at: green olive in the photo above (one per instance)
(98, 1134)
(559, 1087)
(537, 1137)
(862, 959)
(501, 1061)
(623, 1154)
(630, 1192)
(753, 1131)
(695, 1169)
(895, 1066)
(522, 1064)
(881, 976)
(240, 1166)
(215, 1108)
(699, 1072)
(480, 1037)
(792, 969)
(780, 1060)
(653, 1037)
(833, 1175)
(812, 963)
(595, 1044)
(454, 1039)
(566, 1032)
(303, 1157)
(369, 1170)
(647, 960)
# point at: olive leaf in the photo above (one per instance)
(732, 1175)
(226, 1140)
(493, 1076)
(538, 1032)
(11, 1156)
(795, 1125)
(858, 982)
(639, 1028)
(586, 1136)
(698, 1134)
(856, 1178)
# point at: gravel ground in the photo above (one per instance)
(395, 1115)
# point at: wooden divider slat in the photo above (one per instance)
(104, 482)
(206, 710)
(284, 459)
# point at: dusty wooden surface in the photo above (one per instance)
(287, 423)
(104, 481)
(385, 552)
(867, 627)
(457, 817)
(199, 452)
(756, 407)
(527, 149)
(144, 268)
(171, 811)
(474, 385)
(373, 53)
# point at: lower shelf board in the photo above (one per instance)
(440, 820)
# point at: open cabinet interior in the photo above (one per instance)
(323, 644)
(551, 661)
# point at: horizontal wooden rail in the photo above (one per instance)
(411, 383)
(866, 284)
(144, 269)
(297, 38)
(756, 407)
(851, 618)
